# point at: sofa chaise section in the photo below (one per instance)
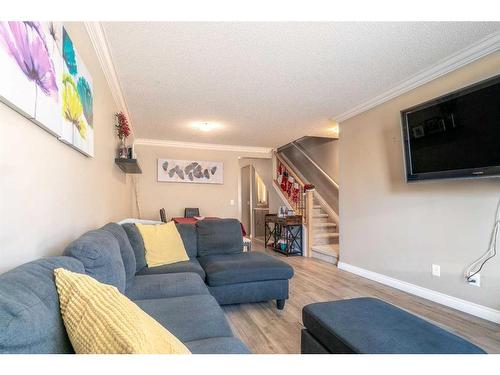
(247, 277)
(234, 276)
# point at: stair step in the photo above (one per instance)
(327, 253)
(332, 249)
(325, 225)
(320, 215)
(326, 235)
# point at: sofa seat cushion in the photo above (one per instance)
(191, 265)
(217, 345)
(189, 317)
(371, 326)
(243, 268)
(30, 317)
(99, 252)
(166, 286)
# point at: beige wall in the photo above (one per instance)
(399, 229)
(325, 152)
(50, 193)
(212, 199)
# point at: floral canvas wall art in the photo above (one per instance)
(77, 99)
(187, 171)
(45, 82)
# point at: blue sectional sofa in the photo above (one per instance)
(175, 295)
(215, 251)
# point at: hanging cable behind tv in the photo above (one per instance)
(475, 267)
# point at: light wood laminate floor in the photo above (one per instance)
(265, 329)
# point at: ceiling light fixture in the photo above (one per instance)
(206, 126)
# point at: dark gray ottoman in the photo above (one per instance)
(371, 326)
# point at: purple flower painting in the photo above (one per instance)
(44, 79)
(25, 43)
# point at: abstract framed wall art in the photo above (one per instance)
(187, 171)
(77, 99)
(43, 78)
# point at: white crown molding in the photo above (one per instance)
(100, 43)
(484, 47)
(481, 311)
(202, 146)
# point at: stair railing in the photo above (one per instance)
(290, 185)
(300, 200)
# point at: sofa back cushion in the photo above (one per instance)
(219, 237)
(137, 244)
(99, 252)
(30, 318)
(189, 237)
(126, 250)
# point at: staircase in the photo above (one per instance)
(325, 240)
(320, 210)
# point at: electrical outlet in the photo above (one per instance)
(475, 280)
(436, 270)
(231, 202)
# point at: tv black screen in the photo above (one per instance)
(454, 136)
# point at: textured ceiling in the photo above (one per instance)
(268, 83)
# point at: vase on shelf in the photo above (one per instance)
(122, 149)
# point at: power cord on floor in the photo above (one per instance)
(475, 267)
(135, 181)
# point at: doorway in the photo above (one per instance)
(246, 198)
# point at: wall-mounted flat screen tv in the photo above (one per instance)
(454, 136)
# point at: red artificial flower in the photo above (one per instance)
(122, 127)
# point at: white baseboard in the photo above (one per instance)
(444, 299)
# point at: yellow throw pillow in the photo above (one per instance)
(163, 244)
(101, 320)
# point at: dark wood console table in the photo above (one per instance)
(285, 233)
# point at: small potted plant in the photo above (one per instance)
(123, 131)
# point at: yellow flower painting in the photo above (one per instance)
(72, 106)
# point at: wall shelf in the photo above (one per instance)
(128, 165)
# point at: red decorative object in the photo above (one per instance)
(292, 188)
(309, 187)
(284, 179)
(122, 126)
(289, 185)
